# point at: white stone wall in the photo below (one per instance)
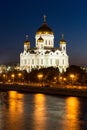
(48, 40)
(55, 59)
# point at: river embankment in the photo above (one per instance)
(60, 91)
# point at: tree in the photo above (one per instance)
(79, 75)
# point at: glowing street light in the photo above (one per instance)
(13, 75)
(40, 76)
(19, 75)
(4, 77)
(72, 76)
(64, 79)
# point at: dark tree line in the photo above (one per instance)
(74, 74)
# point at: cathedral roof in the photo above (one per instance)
(44, 28)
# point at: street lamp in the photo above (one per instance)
(60, 79)
(13, 77)
(40, 76)
(72, 76)
(4, 77)
(19, 75)
(64, 79)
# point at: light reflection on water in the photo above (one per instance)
(20, 111)
(40, 111)
(16, 109)
(72, 114)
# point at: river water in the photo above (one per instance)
(24, 111)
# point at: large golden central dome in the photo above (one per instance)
(44, 29)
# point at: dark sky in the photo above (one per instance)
(19, 17)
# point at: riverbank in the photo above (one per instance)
(63, 91)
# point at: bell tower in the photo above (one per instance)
(63, 44)
(26, 44)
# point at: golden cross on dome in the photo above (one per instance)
(27, 36)
(45, 18)
(62, 36)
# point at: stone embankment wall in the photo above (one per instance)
(60, 91)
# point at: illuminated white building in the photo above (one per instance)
(44, 54)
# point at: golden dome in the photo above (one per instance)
(44, 29)
(40, 39)
(62, 41)
(26, 42)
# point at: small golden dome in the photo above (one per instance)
(62, 41)
(40, 39)
(26, 42)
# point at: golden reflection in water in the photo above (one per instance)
(72, 113)
(15, 101)
(15, 107)
(39, 112)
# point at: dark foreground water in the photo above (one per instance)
(20, 111)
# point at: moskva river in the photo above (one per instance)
(24, 111)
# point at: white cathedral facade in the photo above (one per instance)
(44, 54)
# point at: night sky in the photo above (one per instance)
(21, 17)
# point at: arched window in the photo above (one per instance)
(51, 61)
(25, 61)
(57, 62)
(32, 61)
(46, 42)
(49, 42)
(41, 61)
(63, 61)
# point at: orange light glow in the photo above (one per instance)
(16, 108)
(72, 113)
(39, 111)
(72, 76)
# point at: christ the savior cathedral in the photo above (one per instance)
(44, 54)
